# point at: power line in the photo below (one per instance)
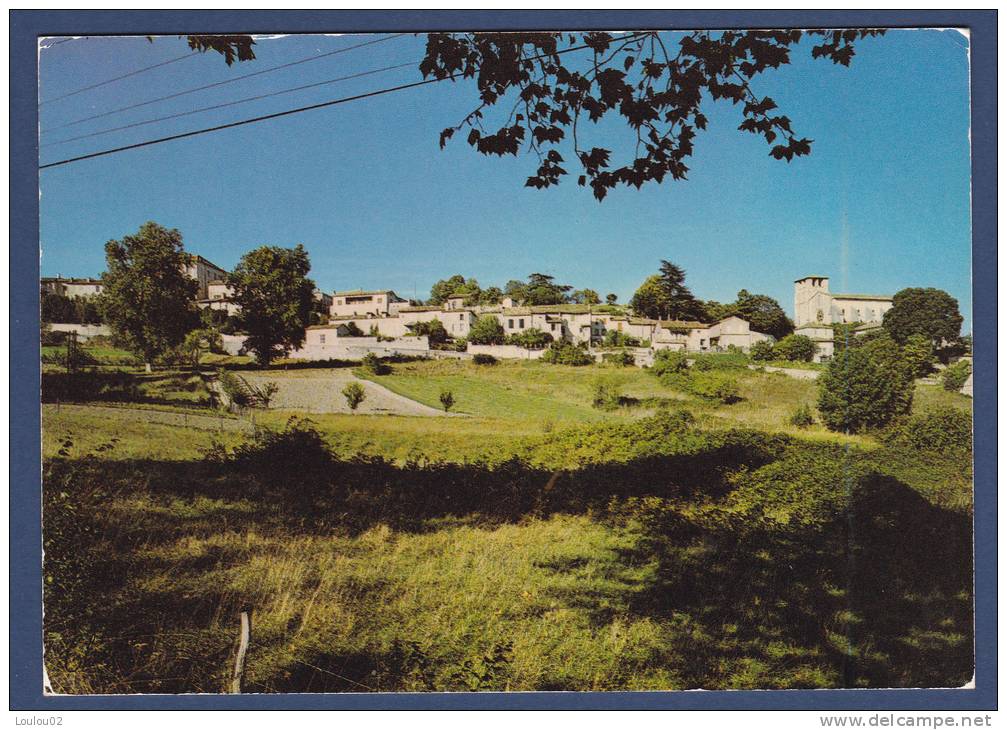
(225, 81)
(276, 115)
(242, 122)
(119, 78)
(228, 104)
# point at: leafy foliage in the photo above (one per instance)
(932, 313)
(71, 310)
(616, 338)
(483, 358)
(373, 364)
(532, 339)
(272, 287)
(354, 394)
(763, 313)
(714, 385)
(231, 47)
(954, 376)
(432, 329)
(566, 353)
(665, 296)
(865, 387)
(607, 394)
(657, 90)
(147, 299)
(802, 417)
(447, 399)
(942, 430)
(797, 348)
(918, 352)
(669, 361)
(487, 330)
(585, 296)
(762, 351)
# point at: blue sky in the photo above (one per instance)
(882, 203)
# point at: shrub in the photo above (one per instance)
(954, 376)
(865, 387)
(447, 399)
(669, 361)
(714, 386)
(796, 348)
(943, 430)
(762, 351)
(615, 338)
(372, 364)
(564, 353)
(483, 358)
(354, 394)
(607, 395)
(624, 358)
(802, 417)
(725, 361)
(487, 330)
(918, 353)
(433, 330)
(531, 339)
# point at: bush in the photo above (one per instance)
(615, 338)
(483, 358)
(623, 358)
(531, 339)
(802, 417)
(954, 376)
(796, 348)
(447, 399)
(762, 351)
(354, 394)
(487, 330)
(669, 361)
(433, 330)
(352, 330)
(607, 395)
(372, 364)
(562, 353)
(918, 353)
(865, 387)
(714, 386)
(726, 361)
(943, 430)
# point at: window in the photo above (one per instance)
(520, 324)
(321, 339)
(510, 324)
(461, 317)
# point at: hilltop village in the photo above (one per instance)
(380, 320)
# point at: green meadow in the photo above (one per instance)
(534, 543)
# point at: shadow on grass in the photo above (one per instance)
(872, 588)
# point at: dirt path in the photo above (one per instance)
(798, 373)
(150, 415)
(324, 394)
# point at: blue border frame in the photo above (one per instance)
(25, 530)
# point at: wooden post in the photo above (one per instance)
(239, 661)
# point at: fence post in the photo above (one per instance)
(239, 662)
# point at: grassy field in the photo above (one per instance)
(537, 544)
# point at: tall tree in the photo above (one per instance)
(763, 313)
(657, 84)
(611, 298)
(272, 287)
(585, 296)
(650, 299)
(147, 299)
(445, 288)
(932, 313)
(541, 289)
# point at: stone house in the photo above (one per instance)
(203, 271)
(359, 303)
(72, 288)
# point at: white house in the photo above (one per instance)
(816, 309)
